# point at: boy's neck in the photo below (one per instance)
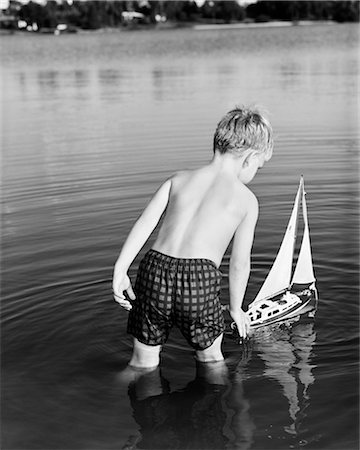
(228, 164)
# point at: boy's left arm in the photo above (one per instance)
(136, 239)
(239, 270)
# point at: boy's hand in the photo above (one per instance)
(122, 284)
(242, 322)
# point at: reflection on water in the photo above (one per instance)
(210, 412)
(287, 357)
(295, 77)
(214, 411)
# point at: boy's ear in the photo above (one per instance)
(246, 160)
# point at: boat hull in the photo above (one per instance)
(306, 306)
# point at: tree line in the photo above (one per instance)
(95, 14)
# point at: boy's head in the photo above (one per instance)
(244, 130)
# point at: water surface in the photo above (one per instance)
(91, 125)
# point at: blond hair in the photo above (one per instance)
(243, 129)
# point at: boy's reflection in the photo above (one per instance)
(212, 411)
(202, 415)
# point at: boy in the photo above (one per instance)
(178, 281)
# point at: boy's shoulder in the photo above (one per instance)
(248, 193)
(247, 202)
(182, 175)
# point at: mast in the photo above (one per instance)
(304, 272)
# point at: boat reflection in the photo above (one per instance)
(287, 354)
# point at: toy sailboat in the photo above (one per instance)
(286, 294)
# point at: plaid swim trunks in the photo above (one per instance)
(176, 291)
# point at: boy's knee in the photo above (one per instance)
(212, 353)
(145, 356)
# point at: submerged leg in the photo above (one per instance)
(145, 356)
(214, 372)
(212, 353)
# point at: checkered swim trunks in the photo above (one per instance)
(176, 291)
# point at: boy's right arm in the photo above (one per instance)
(136, 239)
(240, 265)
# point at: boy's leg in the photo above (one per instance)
(145, 356)
(212, 353)
(215, 372)
(147, 382)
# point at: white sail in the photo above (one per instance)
(304, 272)
(279, 276)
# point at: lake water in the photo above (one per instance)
(91, 125)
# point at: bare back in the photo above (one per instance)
(205, 208)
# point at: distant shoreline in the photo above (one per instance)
(270, 24)
(176, 25)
